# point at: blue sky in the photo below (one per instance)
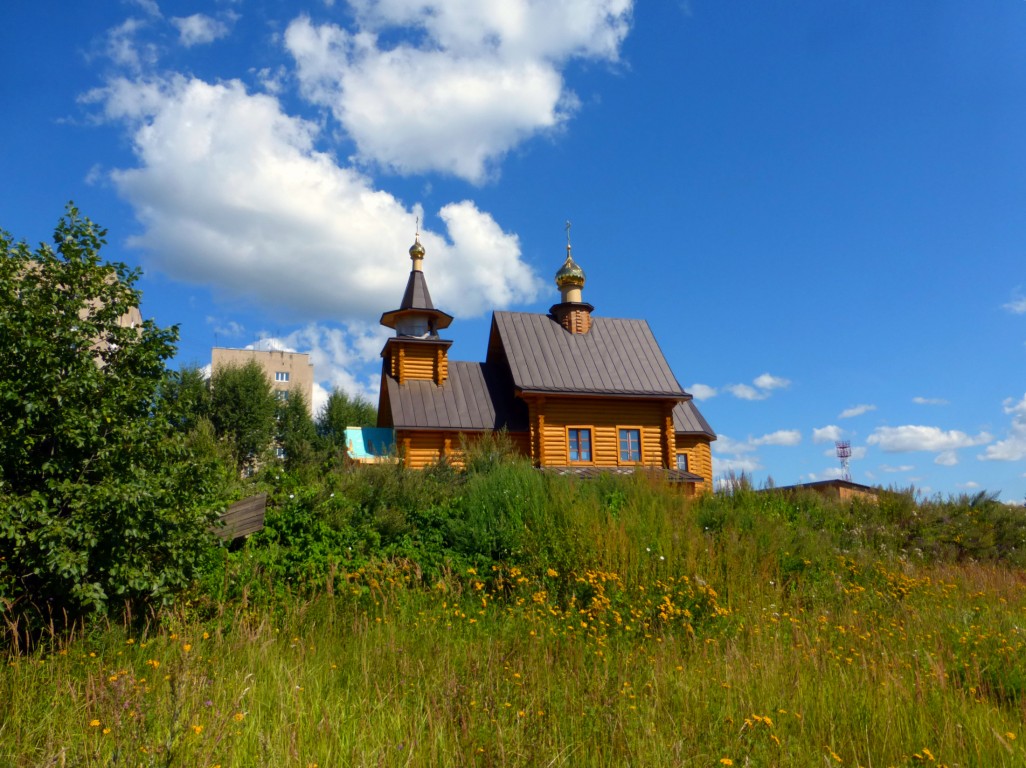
(819, 207)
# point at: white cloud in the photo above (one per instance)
(969, 485)
(929, 401)
(199, 29)
(702, 391)
(1013, 447)
(901, 468)
(920, 438)
(855, 410)
(122, 46)
(768, 381)
(946, 459)
(150, 6)
(480, 79)
(745, 392)
(747, 464)
(764, 385)
(1016, 306)
(231, 192)
(229, 328)
(730, 447)
(783, 437)
(828, 434)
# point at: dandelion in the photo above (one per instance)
(197, 729)
(726, 761)
(106, 731)
(94, 723)
(1009, 735)
(237, 717)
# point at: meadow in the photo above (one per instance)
(499, 616)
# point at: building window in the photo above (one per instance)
(282, 394)
(579, 443)
(630, 445)
(281, 375)
(682, 462)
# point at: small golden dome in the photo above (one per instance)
(417, 250)
(570, 274)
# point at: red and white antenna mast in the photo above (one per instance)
(844, 454)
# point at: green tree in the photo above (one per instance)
(341, 411)
(242, 409)
(186, 397)
(297, 435)
(100, 503)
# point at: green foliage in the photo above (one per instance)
(297, 434)
(341, 411)
(242, 410)
(186, 397)
(100, 502)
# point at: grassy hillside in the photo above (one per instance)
(499, 616)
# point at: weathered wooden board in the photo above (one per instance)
(243, 518)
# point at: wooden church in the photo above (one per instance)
(575, 392)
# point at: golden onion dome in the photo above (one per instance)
(570, 274)
(417, 250)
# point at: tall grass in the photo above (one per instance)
(598, 623)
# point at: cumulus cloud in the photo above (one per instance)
(122, 45)
(226, 328)
(764, 384)
(335, 352)
(929, 401)
(730, 447)
(471, 83)
(767, 381)
(831, 433)
(702, 391)
(199, 29)
(855, 410)
(1013, 447)
(747, 464)
(920, 438)
(785, 437)
(232, 192)
(946, 459)
(746, 392)
(1017, 306)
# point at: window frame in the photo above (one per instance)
(591, 444)
(687, 461)
(620, 429)
(281, 376)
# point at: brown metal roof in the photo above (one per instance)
(417, 300)
(688, 421)
(616, 357)
(476, 396)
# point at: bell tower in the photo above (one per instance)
(572, 312)
(416, 351)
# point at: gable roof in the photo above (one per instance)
(616, 357)
(476, 396)
(688, 421)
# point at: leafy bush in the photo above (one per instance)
(101, 503)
